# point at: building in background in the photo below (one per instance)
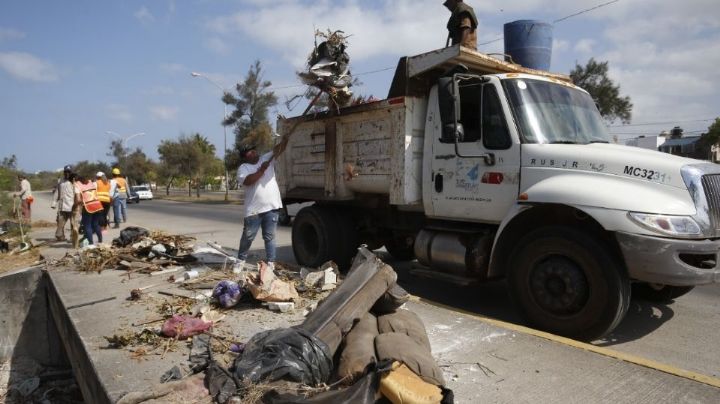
(685, 146)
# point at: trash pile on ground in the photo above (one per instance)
(328, 67)
(357, 345)
(135, 250)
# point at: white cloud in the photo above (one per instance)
(24, 66)
(119, 112)
(144, 15)
(163, 113)
(7, 34)
(584, 46)
(217, 45)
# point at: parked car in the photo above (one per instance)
(134, 197)
(142, 191)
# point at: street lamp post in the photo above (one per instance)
(124, 139)
(227, 186)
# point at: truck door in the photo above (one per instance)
(477, 179)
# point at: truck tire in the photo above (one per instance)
(568, 283)
(315, 236)
(401, 248)
(656, 292)
(348, 238)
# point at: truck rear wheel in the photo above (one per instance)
(401, 247)
(568, 283)
(314, 236)
(321, 234)
(656, 292)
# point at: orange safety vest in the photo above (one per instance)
(103, 191)
(121, 185)
(89, 197)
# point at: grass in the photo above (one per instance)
(215, 198)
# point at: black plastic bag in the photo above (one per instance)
(290, 354)
(130, 235)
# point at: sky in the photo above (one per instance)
(76, 74)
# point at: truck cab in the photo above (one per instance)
(485, 170)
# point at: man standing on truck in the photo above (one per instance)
(262, 200)
(462, 25)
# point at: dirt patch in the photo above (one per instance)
(43, 224)
(10, 262)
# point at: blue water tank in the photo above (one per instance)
(529, 43)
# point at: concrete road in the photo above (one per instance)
(682, 335)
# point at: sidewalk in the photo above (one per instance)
(483, 360)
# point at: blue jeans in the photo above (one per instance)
(91, 225)
(119, 209)
(268, 221)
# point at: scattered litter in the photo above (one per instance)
(183, 327)
(228, 293)
(282, 307)
(144, 337)
(325, 278)
(130, 235)
(268, 288)
(210, 256)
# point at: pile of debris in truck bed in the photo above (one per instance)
(357, 345)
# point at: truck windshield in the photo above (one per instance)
(553, 113)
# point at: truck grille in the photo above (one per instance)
(711, 185)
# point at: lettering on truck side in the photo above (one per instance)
(651, 175)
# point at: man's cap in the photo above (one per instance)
(100, 174)
(116, 171)
(67, 169)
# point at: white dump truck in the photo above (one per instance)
(482, 169)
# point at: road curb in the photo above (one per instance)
(629, 358)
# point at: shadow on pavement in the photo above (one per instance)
(643, 317)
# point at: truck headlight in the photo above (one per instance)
(679, 226)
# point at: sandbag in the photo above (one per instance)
(402, 386)
(391, 300)
(359, 349)
(366, 281)
(405, 322)
(400, 347)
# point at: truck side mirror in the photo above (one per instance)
(452, 130)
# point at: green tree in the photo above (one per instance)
(249, 119)
(711, 138)
(191, 157)
(593, 77)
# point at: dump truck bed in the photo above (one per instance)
(373, 148)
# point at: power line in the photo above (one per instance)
(561, 19)
(660, 123)
(585, 11)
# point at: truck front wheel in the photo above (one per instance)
(566, 282)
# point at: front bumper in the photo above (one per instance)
(670, 261)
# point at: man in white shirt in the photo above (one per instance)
(26, 198)
(262, 200)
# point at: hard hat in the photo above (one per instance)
(116, 171)
(100, 174)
